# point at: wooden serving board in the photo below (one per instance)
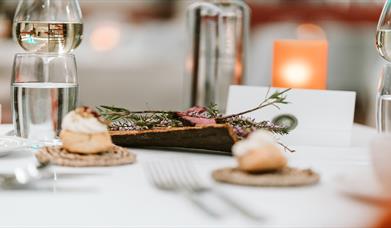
(216, 137)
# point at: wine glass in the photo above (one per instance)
(48, 26)
(383, 32)
(383, 45)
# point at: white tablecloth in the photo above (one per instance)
(122, 196)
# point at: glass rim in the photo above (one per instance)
(35, 54)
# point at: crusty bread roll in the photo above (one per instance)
(262, 159)
(86, 143)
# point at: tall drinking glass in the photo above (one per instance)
(383, 110)
(41, 99)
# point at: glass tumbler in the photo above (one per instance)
(44, 89)
(383, 110)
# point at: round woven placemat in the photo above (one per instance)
(59, 156)
(287, 177)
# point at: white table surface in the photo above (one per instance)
(122, 196)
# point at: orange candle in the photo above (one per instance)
(300, 64)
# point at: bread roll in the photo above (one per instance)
(86, 143)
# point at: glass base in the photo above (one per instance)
(36, 143)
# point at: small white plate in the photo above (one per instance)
(9, 144)
(364, 186)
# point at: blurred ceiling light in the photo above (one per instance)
(310, 31)
(296, 73)
(105, 37)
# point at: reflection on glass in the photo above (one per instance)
(383, 33)
(48, 26)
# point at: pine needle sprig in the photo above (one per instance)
(123, 119)
(112, 113)
(213, 111)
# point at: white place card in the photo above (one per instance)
(324, 117)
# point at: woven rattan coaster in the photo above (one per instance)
(287, 177)
(59, 156)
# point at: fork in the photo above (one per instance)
(163, 178)
(182, 176)
(193, 183)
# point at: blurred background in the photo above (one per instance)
(132, 54)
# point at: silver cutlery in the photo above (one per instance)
(165, 179)
(194, 182)
(181, 175)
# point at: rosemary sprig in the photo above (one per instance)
(123, 119)
(113, 113)
(244, 126)
(276, 98)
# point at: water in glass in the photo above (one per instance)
(383, 110)
(38, 108)
(384, 113)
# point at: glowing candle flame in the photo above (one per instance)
(300, 64)
(297, 73)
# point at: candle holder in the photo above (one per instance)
(300, 64)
